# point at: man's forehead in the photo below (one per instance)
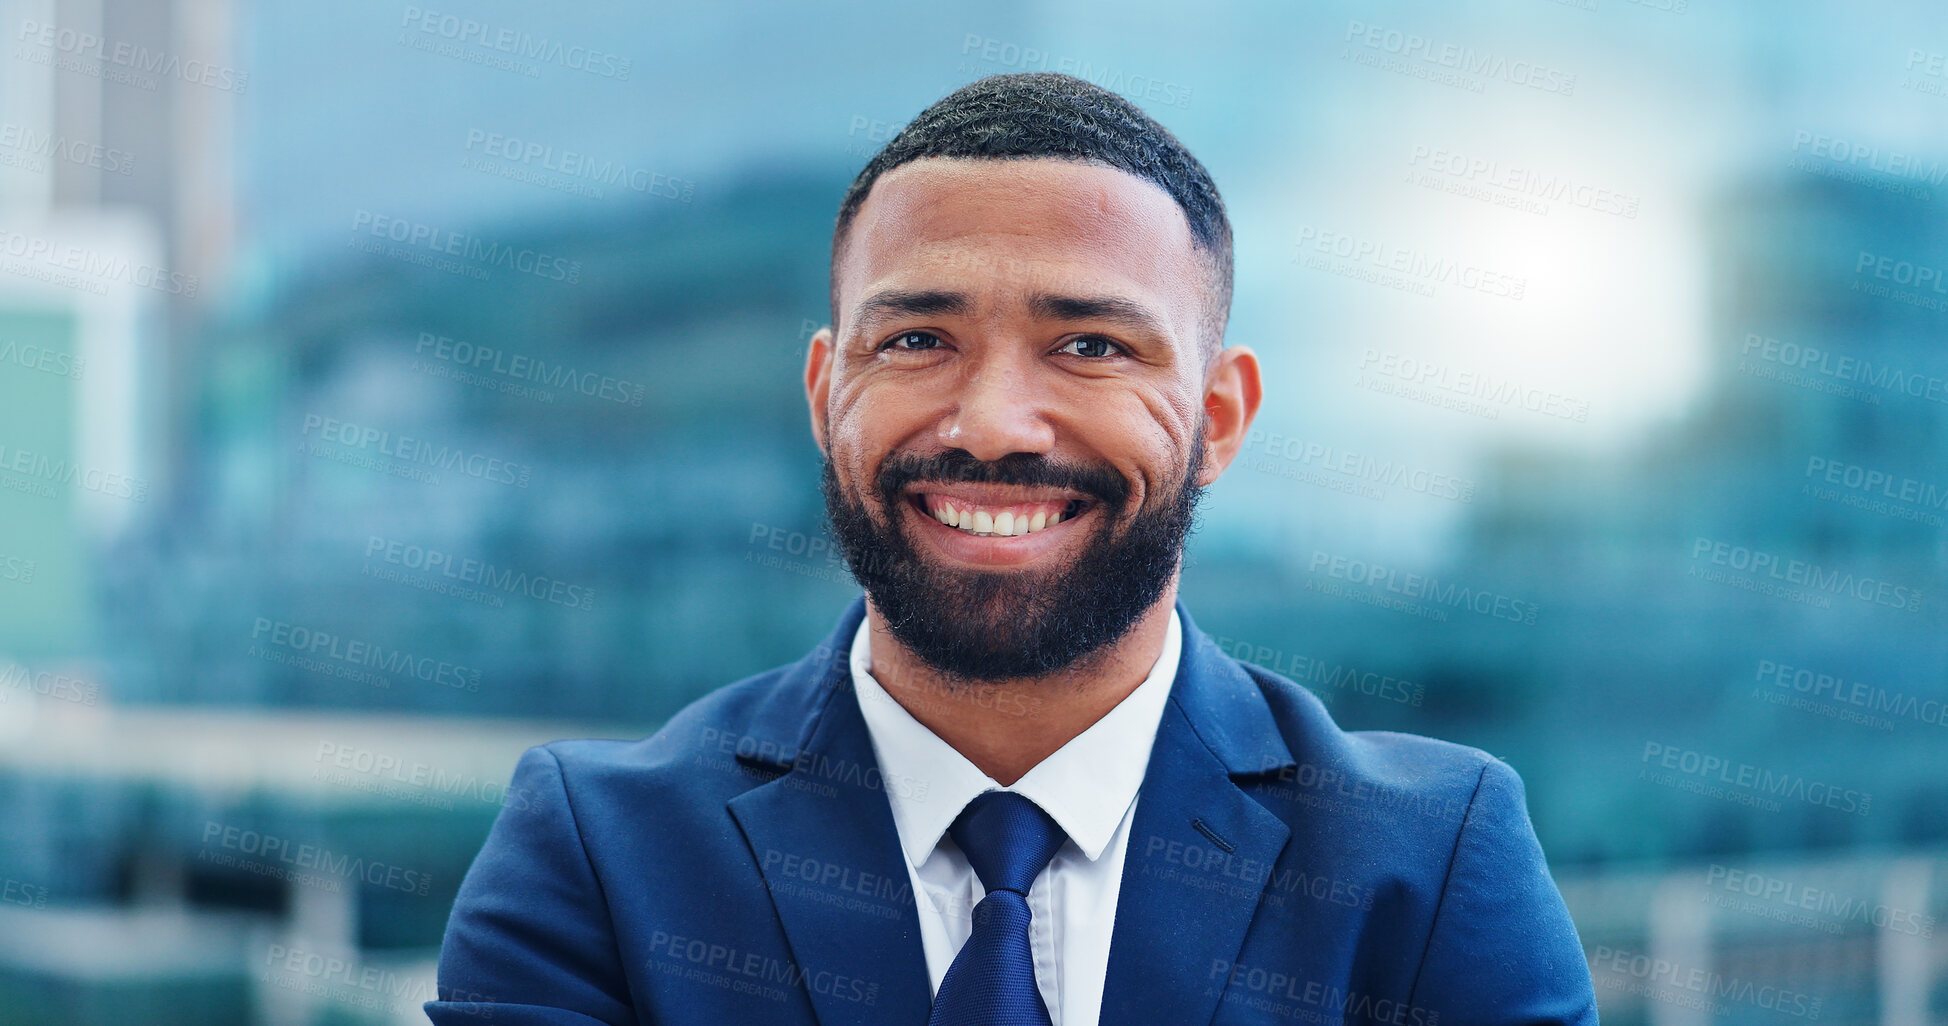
(947, 222)
(992, 278)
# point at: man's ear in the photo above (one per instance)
(818, 381)
(1231, 395)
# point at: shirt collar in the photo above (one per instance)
(1086, 786)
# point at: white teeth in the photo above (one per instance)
(1006, 524)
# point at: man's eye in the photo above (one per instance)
(1093, 346)
(922, 341)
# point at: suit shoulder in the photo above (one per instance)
(1378, 758)
(703, 742)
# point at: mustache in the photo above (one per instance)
(1025, 469)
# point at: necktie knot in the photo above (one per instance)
(1008, 840)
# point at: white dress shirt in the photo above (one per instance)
(1088, 787)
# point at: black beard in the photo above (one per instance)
(974, 626)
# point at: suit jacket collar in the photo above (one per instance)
(822, 835)
(1200, 848)
(1220, 702)
(863, 961)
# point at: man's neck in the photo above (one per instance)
(1006, 728)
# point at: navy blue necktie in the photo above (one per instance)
(1009, 841)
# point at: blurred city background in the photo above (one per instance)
(385, 388)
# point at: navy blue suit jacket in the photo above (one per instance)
(742, 866)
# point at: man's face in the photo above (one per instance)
(1013, 408)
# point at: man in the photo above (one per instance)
(1016, 784)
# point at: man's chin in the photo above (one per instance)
(997, 601)
(986, 647)
(1025, 580)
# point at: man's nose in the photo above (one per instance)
(999, 410)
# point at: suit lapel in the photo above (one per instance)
(823, 837)
(1200, 849)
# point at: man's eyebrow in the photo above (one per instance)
(910, 303)
(1096, 308)
(1043, 305)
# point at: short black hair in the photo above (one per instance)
(1045, 114)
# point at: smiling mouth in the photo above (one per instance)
(997, 520)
